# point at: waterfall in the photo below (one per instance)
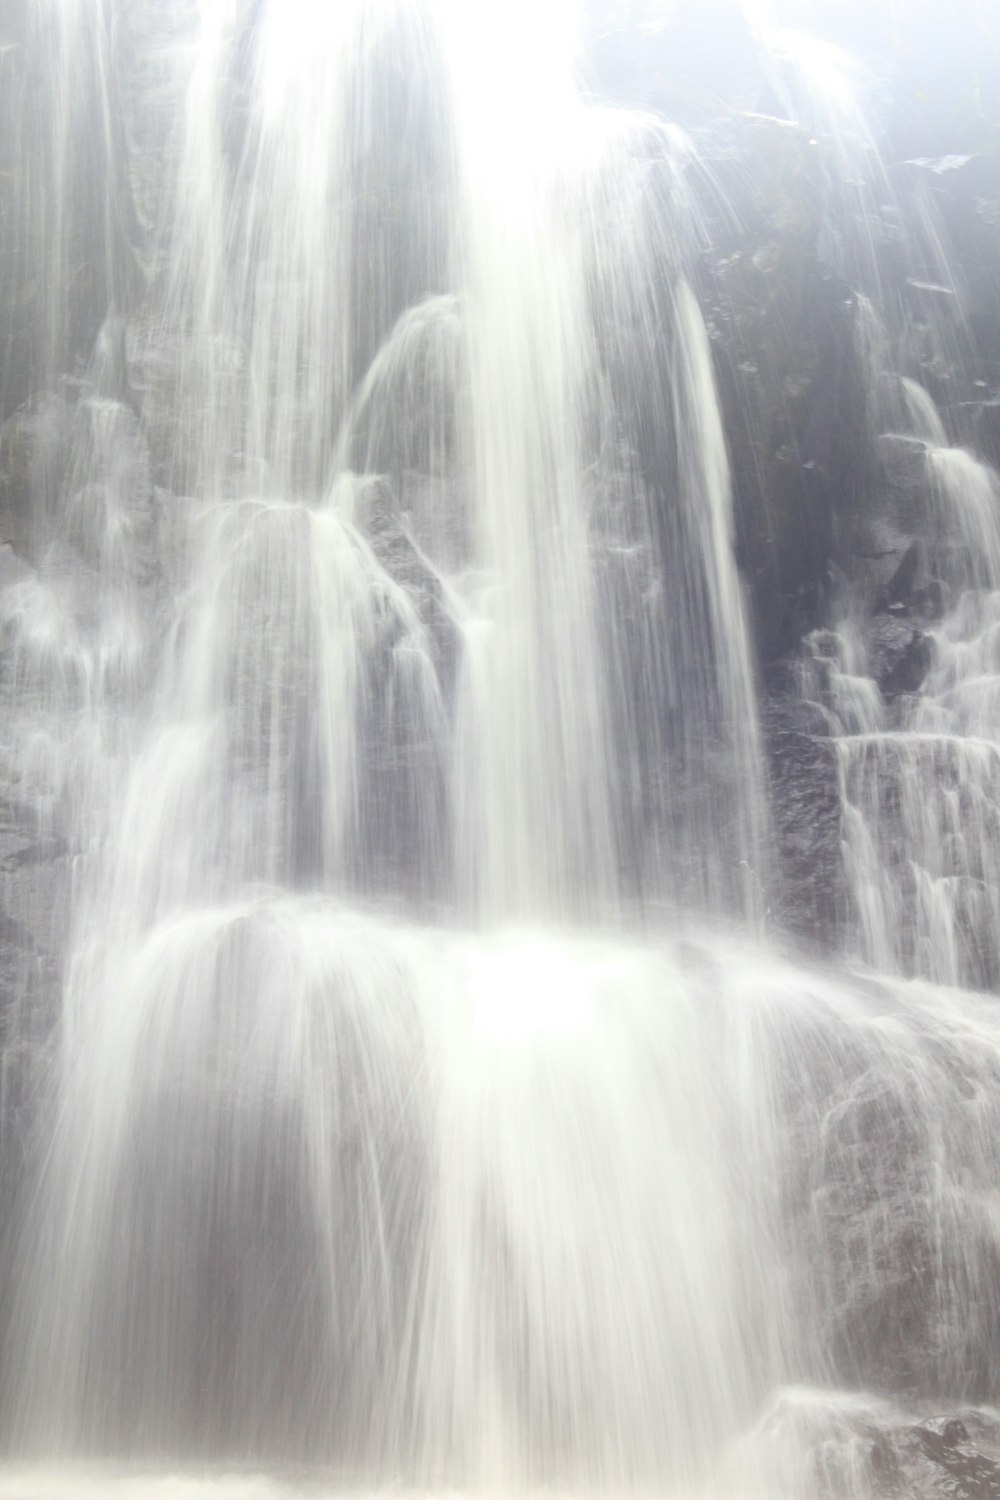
(412, 1088)
(920, 785)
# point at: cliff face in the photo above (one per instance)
(849, 244)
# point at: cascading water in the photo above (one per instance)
(423, 1107)
(917, 775)
(920, 784)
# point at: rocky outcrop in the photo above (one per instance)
(901, 655)
(790, 388)
(936, 1460)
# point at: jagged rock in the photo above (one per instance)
(903, 465)
(910, 668)
(910, 590)
(901, 585)
(941, 1458)
(900, 654)
(947, 1464)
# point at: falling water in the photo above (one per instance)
(921, 783)
(423, 1107)
(918, 773)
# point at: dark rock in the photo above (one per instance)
(902, 461)
(910, 669)
(957, 1470)
(900, 587)
(791, 381)
(931, 599)
(942, 1458)
(900, 653)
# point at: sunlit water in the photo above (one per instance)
(424, 1109)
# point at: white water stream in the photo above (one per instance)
(424, 1108)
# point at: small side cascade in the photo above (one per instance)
(919, 762)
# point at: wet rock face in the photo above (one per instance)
(868, 1448)
(935, 1459)
(986, 424)
(947, 1462)
(900, 653)
(790, 378)
(806, 815)
(78, 537)
(808, 476)
(789, 387)
(959, 191)
(678, 60)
